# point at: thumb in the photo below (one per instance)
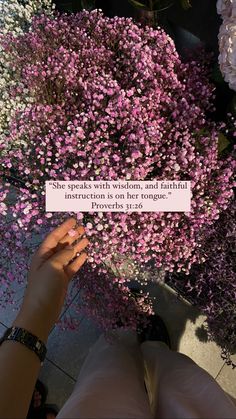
(62, 257)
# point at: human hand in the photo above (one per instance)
(52, 267)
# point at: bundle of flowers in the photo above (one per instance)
(110, 100)
(211, 286)
(227, 41)
(15, 19)
(108, 301)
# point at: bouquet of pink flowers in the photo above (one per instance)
(109, 100)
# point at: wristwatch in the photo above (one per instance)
(18, 334)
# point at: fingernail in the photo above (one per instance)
(72, 232)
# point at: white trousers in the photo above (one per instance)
(111, 384)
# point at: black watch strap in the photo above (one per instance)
(18, 334)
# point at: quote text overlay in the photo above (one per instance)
(118, 196)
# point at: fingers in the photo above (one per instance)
(53, 248)
(58, 234)
(81, 245)
(47, 247)
(74, 266)
(71, 237)
(63, 257)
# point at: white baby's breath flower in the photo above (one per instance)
(227, 47)
(15, 18)
(176, 167)
(226, 8)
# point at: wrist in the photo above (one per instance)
(33, 324)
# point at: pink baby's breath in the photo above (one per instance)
(110, 101)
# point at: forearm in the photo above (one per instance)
(19, 369)
(51, 269)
